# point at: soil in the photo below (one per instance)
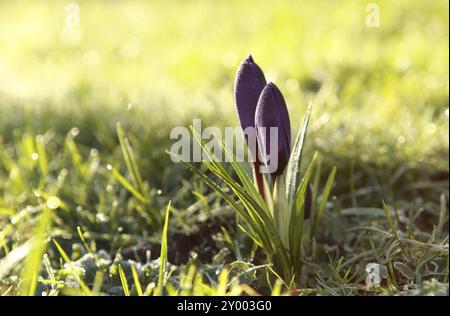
(181, 245)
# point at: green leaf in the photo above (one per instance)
(66, 258)
(123, 280)
(252, 200)
(247, 183)
(32, 264)
(15, 256)
(163, 255)
(43, 161)
(127, 185)
(297, 219)
(255, 213)
(281, 210)
(404, 270)
(75, 154)
(137, 283)
(293, 167)
(323, 202)
(390, 221)
(130, 158)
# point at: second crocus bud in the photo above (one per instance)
(271, 112)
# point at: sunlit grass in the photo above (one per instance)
(380, 99)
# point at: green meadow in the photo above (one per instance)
(91, 203)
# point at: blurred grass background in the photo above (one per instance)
(380, 97)
(379, 93)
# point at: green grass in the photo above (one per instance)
(85, 118)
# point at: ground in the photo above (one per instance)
(74, 218)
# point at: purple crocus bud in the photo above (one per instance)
(249, 83)
(271, 111)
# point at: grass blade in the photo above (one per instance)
(127, 185)
(33, 261)
(66, 258)
(124, 282)
(323, 202)
(14, 257)
(130, 158)
(137, 283)
(163, 255)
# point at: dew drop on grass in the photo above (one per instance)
(35, 156)
(94, 152)
(109, 167)
(63, 174)
(53, 202)
(101, 218)
(74, 131)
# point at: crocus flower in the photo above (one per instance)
(249, 83)
(271, 111)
